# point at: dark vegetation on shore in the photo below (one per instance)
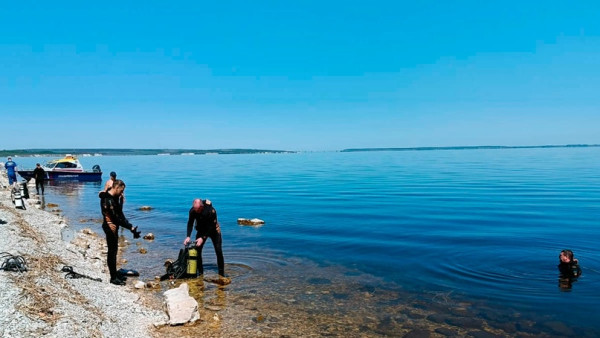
(471, 147)
(115, 152)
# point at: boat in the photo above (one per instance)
(65, 169)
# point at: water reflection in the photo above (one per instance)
(70, 188)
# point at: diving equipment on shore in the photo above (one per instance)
(13, 263)
(127, 273)
(23, 189)
(70, 274)
(192, 262)
(185, 266)
(17, 199)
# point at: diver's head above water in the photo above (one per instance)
(566, 256)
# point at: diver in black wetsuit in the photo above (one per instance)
(112, 214)
(569, 269)
(207, 226)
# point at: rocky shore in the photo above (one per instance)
(42, 302)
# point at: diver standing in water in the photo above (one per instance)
(569, 269)
(207, 226)
(113, 218)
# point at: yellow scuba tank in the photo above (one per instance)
(192, 261)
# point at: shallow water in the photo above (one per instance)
(377, 243)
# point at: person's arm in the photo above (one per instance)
(116, 214)
(190, 227)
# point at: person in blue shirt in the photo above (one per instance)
(10, 167)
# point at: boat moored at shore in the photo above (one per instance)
(65, 169)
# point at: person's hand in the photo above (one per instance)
(208, 202)
(199, 241)
(186, 241)
(136, 233)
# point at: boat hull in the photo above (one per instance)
(57, 175)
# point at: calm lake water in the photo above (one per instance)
(453, 239)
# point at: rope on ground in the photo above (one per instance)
(13, 263)
(70, 274)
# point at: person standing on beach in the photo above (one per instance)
(10, 167)
(207, 226)
(113, 218)
(39, 175)
(109, 184)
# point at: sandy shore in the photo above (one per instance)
(41, 302)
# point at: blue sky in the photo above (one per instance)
(303, 75)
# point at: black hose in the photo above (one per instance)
(70, 274)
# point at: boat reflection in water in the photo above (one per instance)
(73, 188)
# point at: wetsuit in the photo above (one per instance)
(206, 227)
(39, 175)
(10, 171)
(569, 270)
(113, 218)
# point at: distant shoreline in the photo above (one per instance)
(131, 152)
(190, 152)
(470, 147)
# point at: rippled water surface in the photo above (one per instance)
(463, 234)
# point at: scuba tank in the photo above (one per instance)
(24, 190)
(192, 261)
(18, 200)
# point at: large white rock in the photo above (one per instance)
(181, 307)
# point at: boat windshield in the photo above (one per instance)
(50, 164)
(66, 165)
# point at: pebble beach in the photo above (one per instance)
(42, 302)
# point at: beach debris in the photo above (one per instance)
(259, 319)
(81, 243)
(181, 307)
(146, 208)
(51, 205)
(212, 307)
(254, 221)
(149, 236)
(153, 285)
(142, 251)
(91, 220)
(88, 231)
(139, 285)
(218, 280)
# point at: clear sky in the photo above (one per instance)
(298, 75)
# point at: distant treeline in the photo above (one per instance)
(115, 152)
(471, 147)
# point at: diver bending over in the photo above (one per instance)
(207, 226)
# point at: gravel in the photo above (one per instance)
(41, 302)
